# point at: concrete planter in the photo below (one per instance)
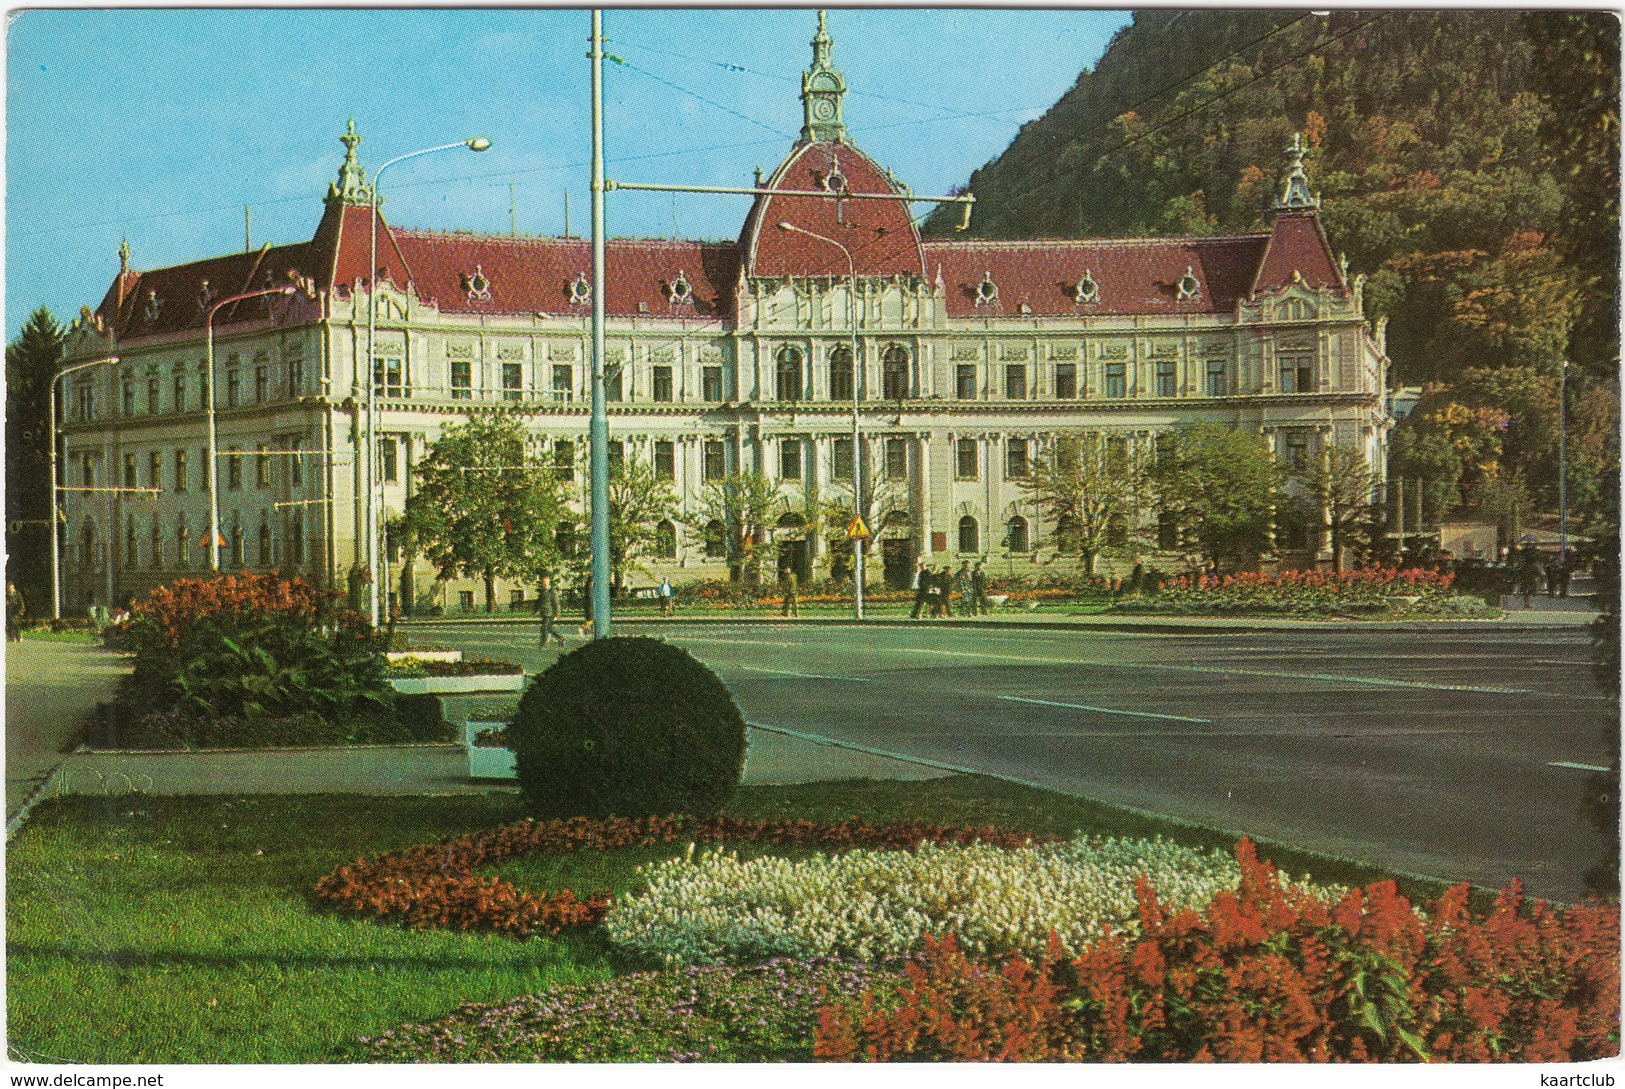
(485, 762)
(424, 655)
(458, 686)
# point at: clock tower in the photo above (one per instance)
(822, 89)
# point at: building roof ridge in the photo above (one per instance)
(1024, 243)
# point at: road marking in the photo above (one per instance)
(739, 642)
(1576, 767)
(1103, 710)
(793, 673)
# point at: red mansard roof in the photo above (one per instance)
(1298, 244)
(178, 292)
(880, 234)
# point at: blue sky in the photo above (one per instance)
(160, 125)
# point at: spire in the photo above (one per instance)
(351, 188)
(822, 91)
(1296, 196)
(124, 258)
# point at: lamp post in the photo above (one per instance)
(1563, 463)
(857, 435)
(56, 548)
(473, 143)
(208, 397)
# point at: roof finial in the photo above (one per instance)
(351, 187)
(1296, 196)
(822, 90)
(124, 257)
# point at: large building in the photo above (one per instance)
(967, 358)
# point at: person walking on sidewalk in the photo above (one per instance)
(16, 609)
(547, 603)
(667, 595)
(792, 590)
(922, 589)
(962, 587)
(978, 583)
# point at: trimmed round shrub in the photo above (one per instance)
(628, 727)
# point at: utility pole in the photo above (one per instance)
(598, 427)
(513, 213)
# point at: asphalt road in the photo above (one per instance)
(1456, 755)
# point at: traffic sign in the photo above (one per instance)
(857, 530)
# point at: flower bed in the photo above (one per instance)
(1304, 593)
(1268, 973)
(716, 909)
(411, 666)
(765, 1013)
(423, 654)
(438, 885)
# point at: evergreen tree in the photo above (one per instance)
(32, 362)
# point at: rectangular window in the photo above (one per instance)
(1297, 374)
(1116, 454)
(841, 458)
(180, 471)
(130, 471)
(234, 387)
(296, 540)
(388, 460)
(462, 380)
(296, 463)
(665, 459)
(132, 546)
(840, 375)
(662, 384)
(1015, 381)
(513, 381)
(265, 545)
(234, 470)
(262, 466)
(465, 600)
(180, 391)
(563, 381)
(564, 459)
(296, 376)
(1066, 381)
(617, 451)
(1116, 380)
(1297, 451)
(1217, 382)
(715, 460)
(896, 459)
(711, 384)
(262, 384)
(237, 546)
(965, 381)
(208, 466)
(614, 382)
(790, 459)
(153, 406)
(1167, 378)
(155, 469)
(128, 395)
(967, 464)
(84, 401)
(1015, 459)
(389, 377)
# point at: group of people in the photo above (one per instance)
(934, 591)
(1522, 572)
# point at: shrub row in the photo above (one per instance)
(1268, 973)
(1366, 589)
(437, 885)
(717, 909)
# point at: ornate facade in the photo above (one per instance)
(966, 357)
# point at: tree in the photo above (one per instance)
(639, 498)
(1220, 485)
(1088, 487)
(742, 503)
(32, 361)
(485, 506)
(1338, 489)
(835, 511)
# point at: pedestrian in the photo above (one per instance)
(547, 604)
(16, 610)
(935, 593)
(668, 597)
(792, 589)
(922, 589)
(1550, 572)
(1529, 577)
(586, 609)
(1136, 577)
(978, 582)
(962, 587)
(1565, 572)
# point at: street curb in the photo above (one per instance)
(34, 798)
(1146, 813)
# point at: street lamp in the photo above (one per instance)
(56, 550)
(857, 436)
(473, 143)
(208, 397)
(1563, 462)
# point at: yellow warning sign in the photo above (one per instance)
(857, 530)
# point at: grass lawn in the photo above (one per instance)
(183, 930)
(70, 635)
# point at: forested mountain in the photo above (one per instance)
(1466, 163)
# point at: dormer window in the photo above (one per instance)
(1189, 286)
(580, 290)
(987, 292)
(835, 181)
(477, 285)
(681, 290)
(153, 306)
(1088, 289)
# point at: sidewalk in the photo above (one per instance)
(51, 689)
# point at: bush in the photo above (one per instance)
(629, 727)
(179, 729)
(717, 909)
(1269, 974)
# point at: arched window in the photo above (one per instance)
(238, 559)
(894, 373)
(716, 540)
(183, 544)
(87, 545)
(840, 374)
(666, 540)
(970, 537)
(296, 540)
(791, 520)
(265, 544)
(789, 372)
(1016, 534)
(157, 543)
